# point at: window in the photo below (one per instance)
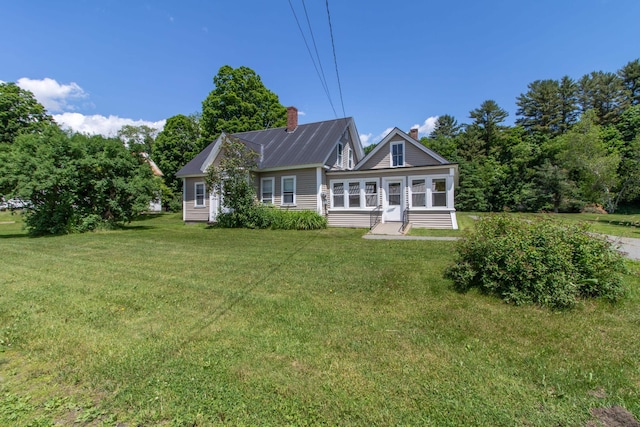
(201, 192)
(350, 159)
(338, 194)
(397, 154)
(339, 156)
(428, 191)
(288, 190)
(419, 193)
(354, 194)
(371, 193)
(439, 192)
(267, 190)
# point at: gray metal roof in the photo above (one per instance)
(308, 144)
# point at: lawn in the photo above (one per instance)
(615, 224)
(166, 324)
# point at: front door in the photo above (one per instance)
(393, 200)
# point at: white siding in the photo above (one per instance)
(430, 219)
(355, 219)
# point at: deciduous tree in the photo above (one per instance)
(76, 182)
(240, 102)
(20, 113)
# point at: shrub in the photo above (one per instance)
(537, 261)
(262, 216)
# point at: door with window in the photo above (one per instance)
(393, 199)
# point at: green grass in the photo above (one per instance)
(167, 324)
(613, 224)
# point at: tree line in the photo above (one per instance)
(575, 145)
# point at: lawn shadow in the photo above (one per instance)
(14, 236)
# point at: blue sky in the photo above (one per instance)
(97, 65)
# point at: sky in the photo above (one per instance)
(97, 65)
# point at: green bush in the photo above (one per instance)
(262, 216)
(537, 262)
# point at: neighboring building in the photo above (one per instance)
(322, 167)
(155, 205)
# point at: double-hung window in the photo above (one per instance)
(350, 159)
(428, 192)
(419, 193)
(337, 191)
(397, 154)
(288, 190)
(340, 151)
(371, 193)
(439, 192)
(200, 195)
(266, 195)
(354, 194)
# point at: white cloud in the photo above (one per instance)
(98, 124)
(302, 113)
(367, 139)
(54, 96)
(427, 127)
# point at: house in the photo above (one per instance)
(155, 205)
(322, 167)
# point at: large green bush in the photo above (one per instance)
(537, 261)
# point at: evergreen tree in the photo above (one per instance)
(487, 119)
(604, 93)
(630, 75)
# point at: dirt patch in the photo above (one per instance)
(614, 416)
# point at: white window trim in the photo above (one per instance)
(404, 154)
(339, 155)
(273, 189)
(349, 158)
(429, 193)
(195, 195)
(345, 194)
(282, 203)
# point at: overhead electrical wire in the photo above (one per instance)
(324, 78)
(322, 82)
(335, 59)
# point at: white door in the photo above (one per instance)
(213, 206)
(393, 200)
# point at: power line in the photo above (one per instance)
(335, 61)
(322, 82)
(324, 78)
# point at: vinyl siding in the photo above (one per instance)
(430, 219)
(191, 213)
(347, 144)
(306, 189)
(355, 219)
(413, 156)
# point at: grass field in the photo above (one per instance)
(166, 324)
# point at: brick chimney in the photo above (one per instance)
(292, 119)
(413, 133)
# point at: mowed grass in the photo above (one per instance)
(167, 324)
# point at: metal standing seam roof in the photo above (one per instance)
(308, 144)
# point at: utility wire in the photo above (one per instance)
(334, 59)
(324, 78)
(322, 82)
